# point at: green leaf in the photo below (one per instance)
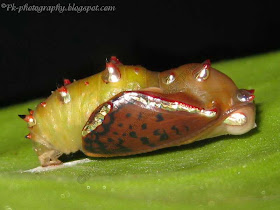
(228, 172)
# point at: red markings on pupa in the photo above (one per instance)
(27, 118)
(111, 73)
(214, 110)
(244, 95)
(65, 96)
(62, 89)
(136, 69)
(201, 74)
(115, 60)
(43, 104)
(252, 91)
(31, 112)
(251, 98)
(207, 64)
(28, 136)
(66, 82)
(86, 83)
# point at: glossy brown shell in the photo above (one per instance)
(133, 126)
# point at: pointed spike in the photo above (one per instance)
(252, 91)
(65, 96)
(202, 74)
(251, 97)
(111, 73)
(115, 60)
(30, 111)
(207, 63)
(136, 69)
(29, 119)
(28, 136)
(43, 104)
(22, 116)
(244, 95)
(66, 82)
(170, 78)
(62, 89)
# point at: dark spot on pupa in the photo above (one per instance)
(122, 148)
(175, 129)
(144, 126)
(96, 145)
(116, 133)
(159, 117)
(133, 134)
(146, 141)
(130, 127)
(128, 115)
(156, 132)
(140, 116)
(124, 134)
(88, 140)
(163, 136)
(120, 125)
(100, 146)
(110, 140)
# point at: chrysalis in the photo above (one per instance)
(126, 110)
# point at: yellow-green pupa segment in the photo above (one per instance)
(59, 125)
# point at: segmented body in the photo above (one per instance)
(128, 110)
(68, 119)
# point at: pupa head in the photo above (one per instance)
(213, 89)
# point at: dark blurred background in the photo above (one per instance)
(38, 50)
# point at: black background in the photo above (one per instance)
(38, 50)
